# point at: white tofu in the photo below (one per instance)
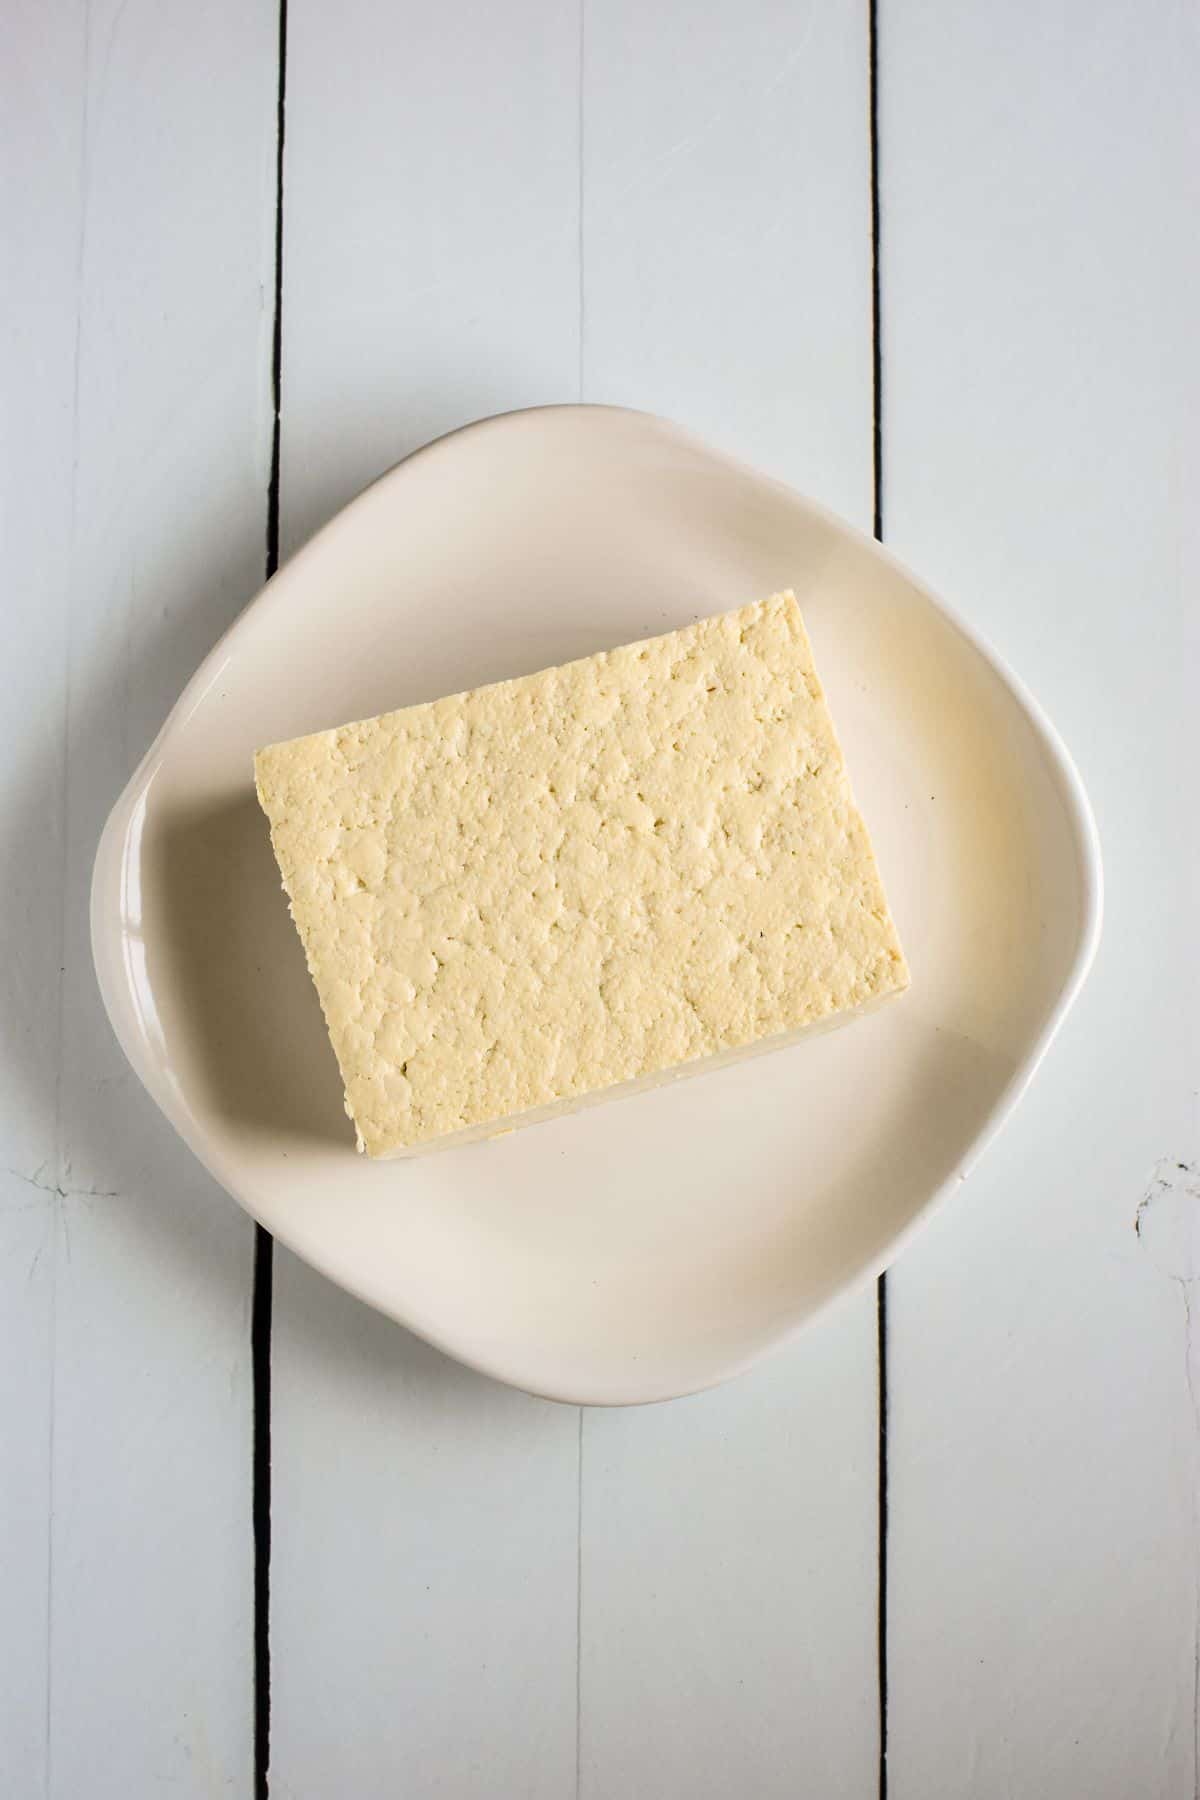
(536, 893)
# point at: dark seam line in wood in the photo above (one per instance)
(579, 1611)
(277, 334)
(580, 200)
(260, 1350)
(579, 1448)
(881, 1300)
(264, 1243)
(881, 1290)
(876, 308)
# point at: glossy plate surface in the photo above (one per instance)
(662, 1242)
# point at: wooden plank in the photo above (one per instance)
(431, 231)
(1040, 173)
(424, 1557)
(26, 1402)
(727, 232)
(423, 1565)
(40, 235)
(728, 1593)
(138, 240)
(729, 1581)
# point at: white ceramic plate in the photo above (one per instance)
(659, 1243)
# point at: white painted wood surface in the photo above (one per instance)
(434, 234)
(475, 1593)
(1040, 180)
(137, 240)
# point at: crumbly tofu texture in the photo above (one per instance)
(517, 897)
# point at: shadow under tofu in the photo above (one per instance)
(227, 954)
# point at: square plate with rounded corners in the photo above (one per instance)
(658, 1244)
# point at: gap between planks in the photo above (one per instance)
(264, 1244)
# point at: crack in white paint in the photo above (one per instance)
(62, 1193)
(1167, 1220)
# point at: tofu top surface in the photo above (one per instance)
(519, 895)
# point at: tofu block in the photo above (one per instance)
(539, 892)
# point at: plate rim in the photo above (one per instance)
(1060, 763)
